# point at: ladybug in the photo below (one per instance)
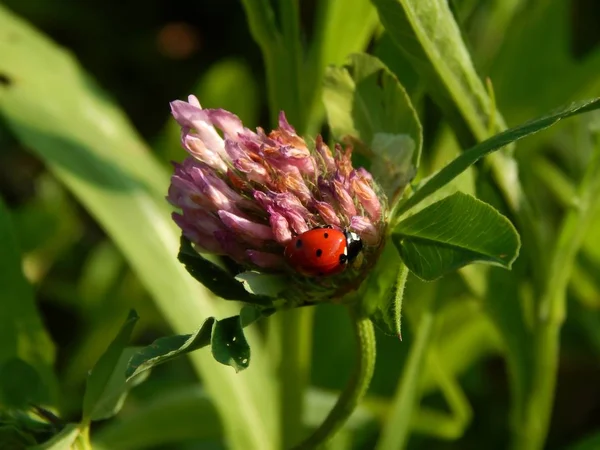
(322, 251)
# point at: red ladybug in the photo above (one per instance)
(322, 251)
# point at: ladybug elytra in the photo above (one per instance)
(322, 251)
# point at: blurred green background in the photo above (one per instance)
(145, 54)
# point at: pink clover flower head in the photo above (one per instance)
(246, 194)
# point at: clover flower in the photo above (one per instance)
(245, 195)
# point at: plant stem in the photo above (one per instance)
(396, 430)
(356, 387)
(531, 432)
(295, 335)
(83, 440)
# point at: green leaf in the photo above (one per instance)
(174, 416)
(22, 334)
(381, 294)
(100, 376)
(20, 385)
(431, 40)
(341, 27)
(228, 343)
(261, 284)
(452, 233)
(506, 307)
(218, 280)
(169, 347)
(117, 388)
(365, 101)
(85, 140)
(474, 154)
(526, 93)
(396, 429)
(62, 441)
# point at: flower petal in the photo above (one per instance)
(280, 227)
(265, 260)
(245, 228)
(366, 195)
(365, 229)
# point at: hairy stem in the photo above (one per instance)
(356, 388)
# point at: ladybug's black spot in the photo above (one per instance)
(343, 258)
(319, 253)
(326, 235)
(299, 243)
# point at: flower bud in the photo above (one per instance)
(247, 194)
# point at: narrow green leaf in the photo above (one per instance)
(117, 388)
(85, 140)
(396, 428)
(474, 154)
(527, 93)
(100, 375)
(341, 27)
(62, 441)
(218, 280)
(228, 343)
(431, 40)
(366, 102)
(22, 334)
(504, 306)
(456, 231)
(169, 347)
(20, 385)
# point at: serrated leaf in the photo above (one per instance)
(452, 233)
(474, 154)
(169, 347)
(218, 280)
(100, 375)
(366, 102)
(228, 343)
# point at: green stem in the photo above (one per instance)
(292, 59)
(295, 339)
(531, 431)
(356, 388)
(83, 440)
(396, 430)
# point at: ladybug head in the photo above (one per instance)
(354, 245)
